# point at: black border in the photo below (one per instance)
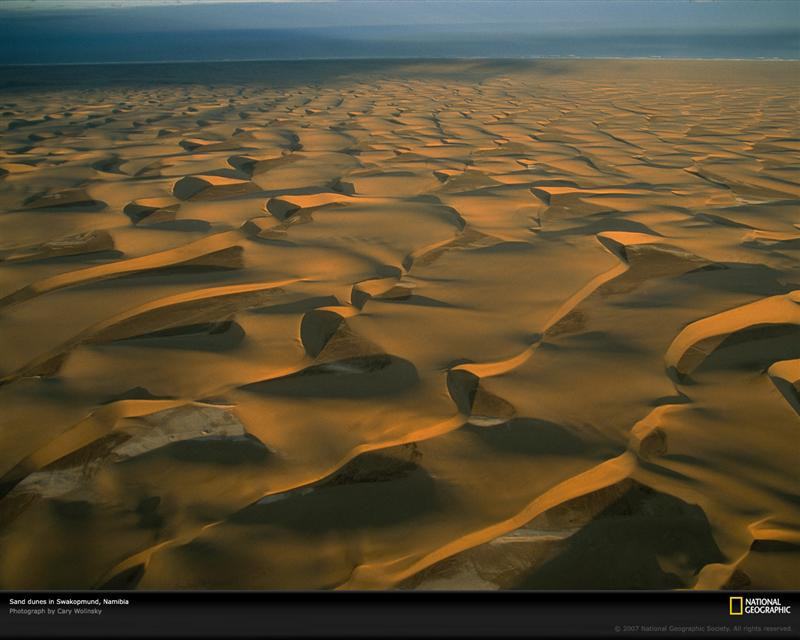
(404, 614)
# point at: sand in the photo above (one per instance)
(418, 325)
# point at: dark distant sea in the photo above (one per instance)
(53, 47)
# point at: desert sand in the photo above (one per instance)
(418, 325)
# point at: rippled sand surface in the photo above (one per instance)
(400, 325)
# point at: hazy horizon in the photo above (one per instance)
(51, 31)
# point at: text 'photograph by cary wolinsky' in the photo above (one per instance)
(400, 318)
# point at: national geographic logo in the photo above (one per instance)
(739, 605)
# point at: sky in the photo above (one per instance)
(66, 31)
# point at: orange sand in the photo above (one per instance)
(414, 325)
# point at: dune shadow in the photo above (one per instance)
(210, 451)
(356, 377)
(206, 336)
(529, 437)
(644, 540)
(349, 506)
(754, 348)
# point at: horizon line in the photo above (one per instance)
(384, 58)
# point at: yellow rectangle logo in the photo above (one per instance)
(736, 605)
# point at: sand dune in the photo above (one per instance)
(419, 325)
